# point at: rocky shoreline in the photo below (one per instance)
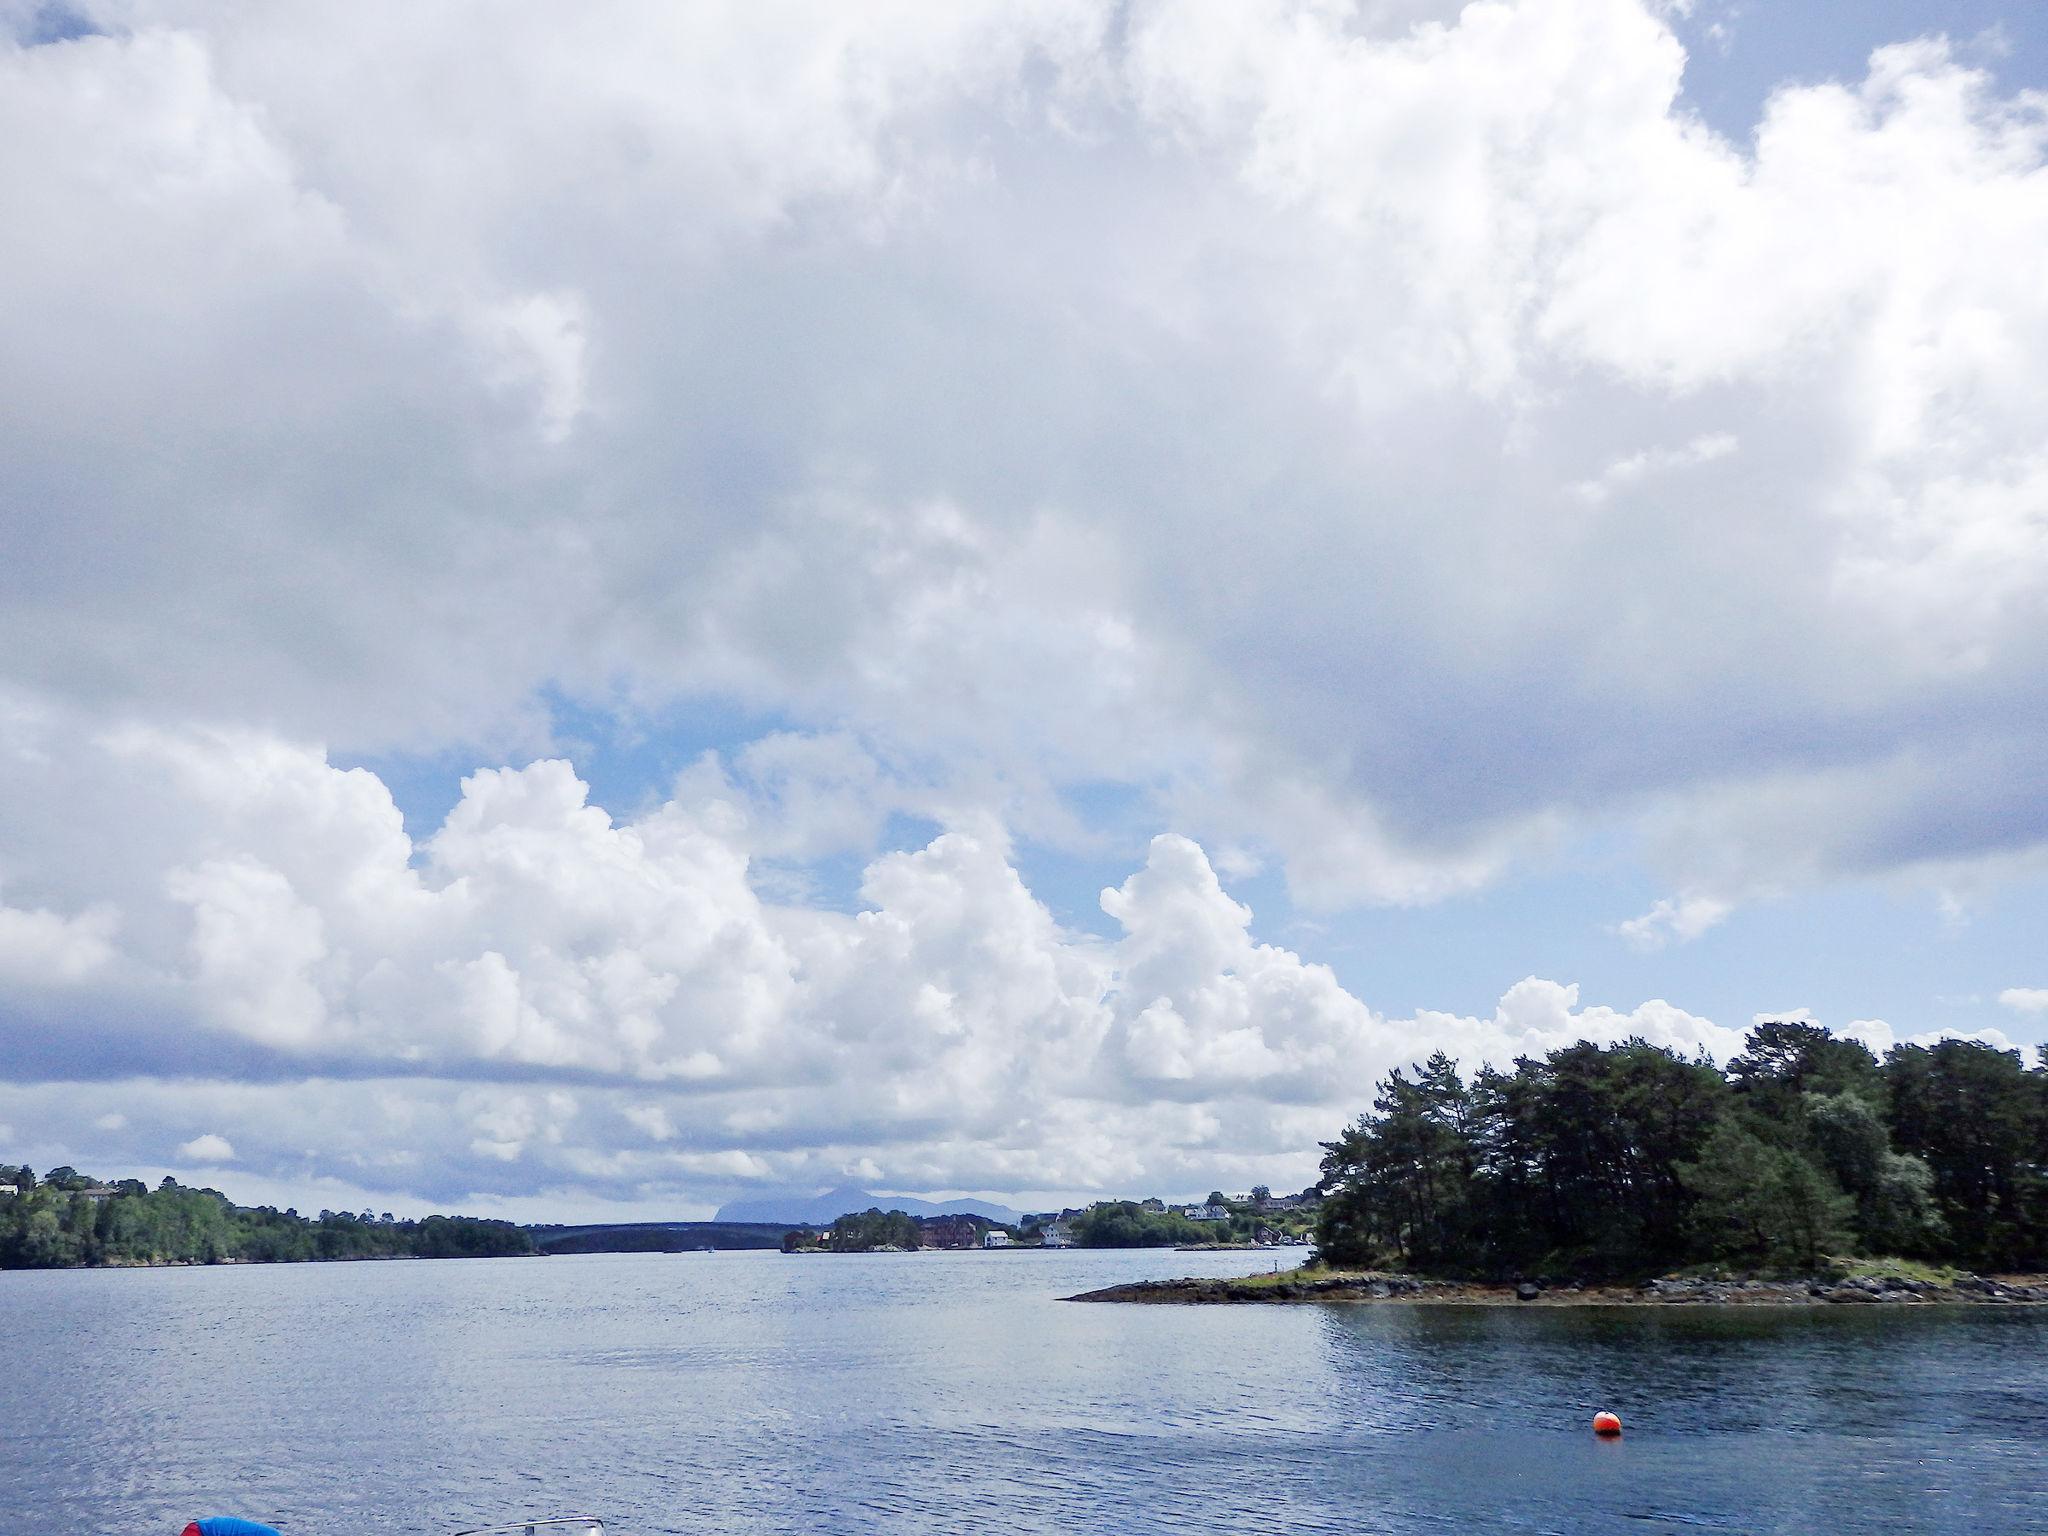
(1376, 1287)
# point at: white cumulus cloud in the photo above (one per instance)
(389, 1004)
(209, 1148)
(1397, 446)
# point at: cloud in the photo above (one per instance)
(1683, 918)
(541, 996)
(1625, 472)
(208, 1148)
(1880, 1037)
(1396, 447)
(1554, 382)
(2025, 999)
(651, 1120)
(44, 947)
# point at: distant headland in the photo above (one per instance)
(69, 1220)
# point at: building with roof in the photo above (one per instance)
(949, 1232)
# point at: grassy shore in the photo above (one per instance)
(1867, 1281)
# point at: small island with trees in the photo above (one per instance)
(1807, 1170)
(1254, 1220)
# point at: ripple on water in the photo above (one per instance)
(756, 1393)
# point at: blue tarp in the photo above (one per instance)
(228, 1525)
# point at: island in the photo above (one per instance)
(1805, 1171)
(1258, 1219)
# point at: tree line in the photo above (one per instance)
(1603, 1161)
(1129, 1224)
(865, 1231)
(54, 1223)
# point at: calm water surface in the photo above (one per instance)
(753, 1393)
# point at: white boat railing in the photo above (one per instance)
(566, 1525)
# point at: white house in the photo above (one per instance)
(1057, 1234)
(995, 1237)
(1206, 1212)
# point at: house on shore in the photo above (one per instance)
(1308, 1197)
(1056, 1234)
(949, 1232)
(995, 1237)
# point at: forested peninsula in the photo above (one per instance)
(67, 1220)
(1806, 1167)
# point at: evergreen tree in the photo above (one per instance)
(1629, 1158)
(1979, 1120)
(1893, 1192)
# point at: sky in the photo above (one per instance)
(607, 609)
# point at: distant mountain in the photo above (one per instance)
(821, 1210)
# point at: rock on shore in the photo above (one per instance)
(1315, 1286)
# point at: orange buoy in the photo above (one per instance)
(1606, 1424)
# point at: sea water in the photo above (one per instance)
(758, 1393)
